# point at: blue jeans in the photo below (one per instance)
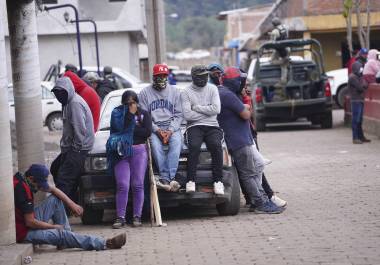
(357, 119)
(167, 156)
(53, 209)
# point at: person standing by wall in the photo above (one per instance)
(356, 88)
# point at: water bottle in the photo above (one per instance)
(27, 260)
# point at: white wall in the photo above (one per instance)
(115, 49)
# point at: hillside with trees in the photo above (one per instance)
(196, 25)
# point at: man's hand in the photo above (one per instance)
(76, 209)
(167, 135)
(58, 227)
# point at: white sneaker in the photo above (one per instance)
(278, 201)
(174, 186)
(190, 186)
(218, 188)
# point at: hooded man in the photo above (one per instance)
(201, 105)
(77, 137)
(215, 73)
(88, 94)
(32, 222)
(356, 88)
(234, 120)
(163, 103)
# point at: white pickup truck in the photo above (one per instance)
(338, 81)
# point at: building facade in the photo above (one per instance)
(121, 28)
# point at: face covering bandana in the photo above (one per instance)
(32, 186)
(159, 82)
(200, 80)
(61, 96)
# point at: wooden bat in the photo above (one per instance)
(154, 203)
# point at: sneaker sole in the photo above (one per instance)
(263, 212)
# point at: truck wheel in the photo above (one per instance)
(260, 124)
(340, 97)
(231, 207)
(54, 122)
(327, 121)
(92, 216)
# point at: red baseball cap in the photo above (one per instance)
(160, 69)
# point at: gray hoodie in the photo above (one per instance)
(201, 105)
(356, 86)
(78, 128)
(164, 107)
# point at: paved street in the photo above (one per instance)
(332, 188)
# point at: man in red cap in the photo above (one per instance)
(163, 103)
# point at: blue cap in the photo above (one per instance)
(215, 66)
(363, 51)
(39, 173)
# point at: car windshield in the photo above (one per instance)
(105, 119)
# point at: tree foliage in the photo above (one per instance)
(196, 25)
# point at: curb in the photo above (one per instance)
(14, 254)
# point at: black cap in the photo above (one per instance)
(107, 70)
(199, 69)
(71, 67)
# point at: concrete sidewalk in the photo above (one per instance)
(14, 254)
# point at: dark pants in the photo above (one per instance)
(265, 184)
(66, 170)
(213, 137)
(357, 109)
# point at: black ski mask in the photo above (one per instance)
(61, 95)
(200, 80)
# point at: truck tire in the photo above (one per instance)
(92, 216)
(327, 121)
(341, 95)
(54, 122)
(231, 207)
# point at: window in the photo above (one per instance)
(118, 0)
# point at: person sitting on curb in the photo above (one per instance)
(200, 106)
(32, 223)
(162, 101)
(234, 120)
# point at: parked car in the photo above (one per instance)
(97, 186)
(306, 94)
(183, 78)
(126, 79)
(338, 80)
(51, 108)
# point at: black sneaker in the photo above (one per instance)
(119, 223)
(268, 208)
(116, 242)
(137, 221)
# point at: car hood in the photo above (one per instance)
(101, 138)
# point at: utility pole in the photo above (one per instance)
(7, 221)
(155, 23)
(26, 82)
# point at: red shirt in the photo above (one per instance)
(88, 94)
(23, 204)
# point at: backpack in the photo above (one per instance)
(284, 34)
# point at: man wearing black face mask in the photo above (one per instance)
(77, 137)
(215, 72)
(201, 105)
